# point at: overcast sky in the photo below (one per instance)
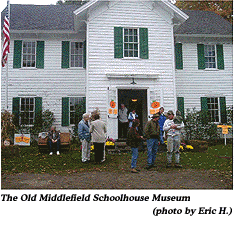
(35, 2)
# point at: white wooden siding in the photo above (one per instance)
(101, 53)
(192, 83)
(51, 83)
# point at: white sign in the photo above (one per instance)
(22, 139)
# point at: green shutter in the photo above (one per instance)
(180, 103)
(118, 42)
(220, 57)
(38, 111)
(65, 54)
(143, 43)
(65, 111)
(223, 112)
(40, 54)
(15, 110)
(84, 54)
(38, 105)
(178, 56)
(201, 57)
(204, 104)
(17, 54)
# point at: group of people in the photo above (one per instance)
(125, 120)
(162, 126)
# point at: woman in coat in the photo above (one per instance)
(98, 132)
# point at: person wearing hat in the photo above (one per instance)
(173, 139)
(152, 132)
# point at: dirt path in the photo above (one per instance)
(169, 179)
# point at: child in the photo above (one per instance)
(133, 141)
(173, 138)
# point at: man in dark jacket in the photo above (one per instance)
(134, 140)
(152, 131)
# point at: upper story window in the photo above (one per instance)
(76, 54)
(210, 56)
(131, 42)
(29, 54)
(73, 54)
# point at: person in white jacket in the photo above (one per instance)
(173, 131)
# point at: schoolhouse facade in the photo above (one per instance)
(144, 54)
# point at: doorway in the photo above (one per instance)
(135, 99)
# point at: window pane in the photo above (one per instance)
(76, 54)
(131, 42)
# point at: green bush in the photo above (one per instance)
(198, 126)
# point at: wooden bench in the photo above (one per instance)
(65, 140)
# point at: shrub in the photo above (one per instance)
(198, 126)
(7, 126)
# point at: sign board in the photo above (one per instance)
(22, 139)
(224, 128)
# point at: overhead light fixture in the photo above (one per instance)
(133, 100)
(133, 82)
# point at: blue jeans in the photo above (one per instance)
(152, 149)
(134, 157)
(161, 136)
(52, 145)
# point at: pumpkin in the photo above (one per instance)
(155, 104)
(112, 104)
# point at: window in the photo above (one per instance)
(27, 111)
(216, 106)
(76, 56)
(213, 108)
(72, 110)
(75, 103)
(131, 42)
(29, 54)
(210, 56)
(73, 54)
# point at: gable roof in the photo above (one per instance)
(204, 23)
(61, 17)
(41, 17)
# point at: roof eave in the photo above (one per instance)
(204, 35)
(179, 14)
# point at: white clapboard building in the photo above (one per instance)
(144, 54)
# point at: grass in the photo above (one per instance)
(217, 158)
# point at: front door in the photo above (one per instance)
(134, 99)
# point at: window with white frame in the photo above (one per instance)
(131, 42)
(213, 108)
(210, 56)
(76, 55)
(75, 103)
(29, 54)
(27, 111)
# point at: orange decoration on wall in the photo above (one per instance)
(112, 104)
(155, 104)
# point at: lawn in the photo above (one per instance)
(216, 158)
